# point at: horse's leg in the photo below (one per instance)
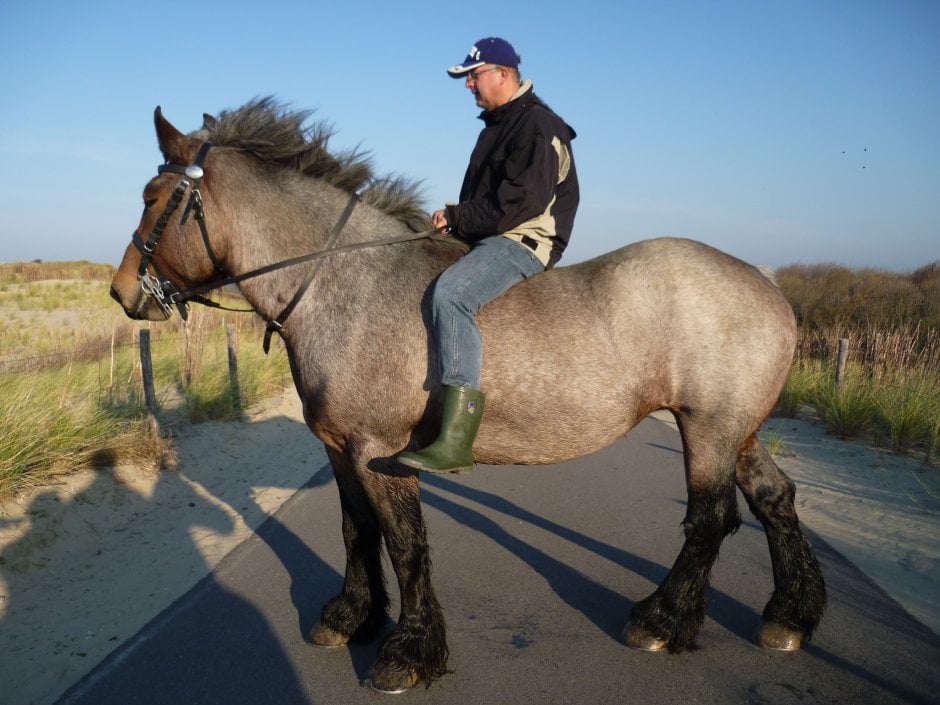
(799, 597)
(672, 616)
(360, 609)
(417, 649)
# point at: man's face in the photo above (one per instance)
(488, 85)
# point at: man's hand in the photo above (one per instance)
(439, 221)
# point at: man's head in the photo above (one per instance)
(491, 72)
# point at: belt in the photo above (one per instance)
(529, 242)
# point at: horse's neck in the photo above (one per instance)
(353, 296)
(288, 224)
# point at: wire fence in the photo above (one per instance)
(878, 350)
(98, 349)
(184, 357)
(85, 353)
(37, 363)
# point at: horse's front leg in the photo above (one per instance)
(417, 649)
(360, 610)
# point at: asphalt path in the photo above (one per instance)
(537, 569)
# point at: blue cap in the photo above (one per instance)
(491, 50)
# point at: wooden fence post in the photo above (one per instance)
(187, 357)
(111, 371)
(843, 356)
(146, 371)
(233, 366)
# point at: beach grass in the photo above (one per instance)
(70, 374)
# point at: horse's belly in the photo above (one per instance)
(549, 427)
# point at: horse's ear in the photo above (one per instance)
(208, 121)
(175, 146)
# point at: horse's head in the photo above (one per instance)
(170, 248)
(271, 188)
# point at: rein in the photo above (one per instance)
(167, 294)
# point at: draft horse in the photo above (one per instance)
(574, 358)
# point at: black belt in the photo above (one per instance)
(529, 242)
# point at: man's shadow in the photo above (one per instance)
(47, 580)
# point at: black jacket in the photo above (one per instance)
(521, 181)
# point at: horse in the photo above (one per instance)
(338, 262)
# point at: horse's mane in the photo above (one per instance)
(276, 134)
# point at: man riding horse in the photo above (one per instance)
(517, 207)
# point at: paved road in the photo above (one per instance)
(537, 569)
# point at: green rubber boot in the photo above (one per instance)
(453, 449)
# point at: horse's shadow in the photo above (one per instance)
(605, 608)
(312, 580)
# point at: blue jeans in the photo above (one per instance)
(490, 268)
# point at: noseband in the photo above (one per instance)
(167, 294)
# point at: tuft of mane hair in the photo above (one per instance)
(769, 273)
(274, 133)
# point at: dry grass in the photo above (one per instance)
(71, 384)
(891, 390)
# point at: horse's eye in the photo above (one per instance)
(149, 202)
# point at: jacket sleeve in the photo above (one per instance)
(530, 174)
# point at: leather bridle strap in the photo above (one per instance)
(166, 293)
(195, 172)
(278, 322)
(147, 248)
(194, 294)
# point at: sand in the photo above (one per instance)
(878, 509)
(87, 562)
(84, 564)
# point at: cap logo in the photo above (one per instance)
(474, 53)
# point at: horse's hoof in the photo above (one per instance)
(643, 640)
(326, 638)
(387, 679)
(774, 635)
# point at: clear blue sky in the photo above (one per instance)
(789, 131)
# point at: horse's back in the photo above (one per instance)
(575, 357)
(690, 293)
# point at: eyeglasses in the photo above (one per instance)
(475, 75)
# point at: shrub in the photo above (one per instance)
(830, 295)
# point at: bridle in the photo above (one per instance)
(167, 294)
(160, 287)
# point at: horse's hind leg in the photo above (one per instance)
(672, 616)
(360, 609)
(799, 596)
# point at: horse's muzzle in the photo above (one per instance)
(140, 306)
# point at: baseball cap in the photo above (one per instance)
(491, 50)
